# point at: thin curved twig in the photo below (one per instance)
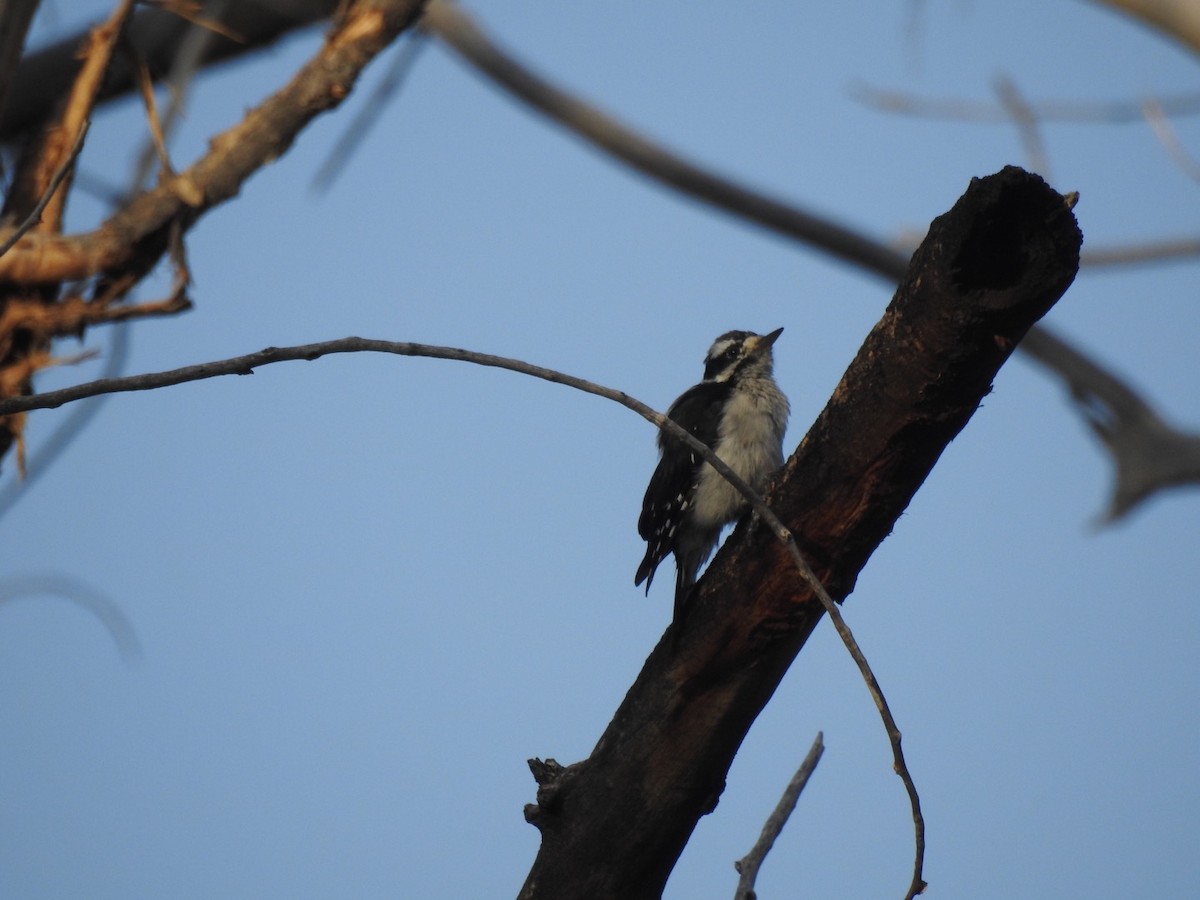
(245, 365)
(60, 175)
(749, 864)
(103, 607)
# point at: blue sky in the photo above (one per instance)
(368, 589)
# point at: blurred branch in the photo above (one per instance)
(193, 46)
(135, 235)
(50, 450)
(35, 215)
(97, 59)
(1025, 117)
(158, 36)
(1151, 252)
(458, 31)
(366, 118)
(1076, 111)
(749, 864)
(83, 595)
(1160, 123)
(1150, 454)
(15, 17)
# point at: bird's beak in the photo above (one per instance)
(765, 342)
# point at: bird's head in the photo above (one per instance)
(739, 352)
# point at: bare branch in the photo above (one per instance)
(1113, 112)
(387, 88)
(458, 31)
(191, 11)
(1176, 249)
(266, 132)
(43, 77)
(1024, 116)
(1169, 138)
(1150, 454)
(749, 864)
(98, 54)
(15, 18)
(50, 449)
(35, 214)
(158, 135)
(184, 66)
(115, 622)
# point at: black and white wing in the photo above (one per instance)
(665, 505)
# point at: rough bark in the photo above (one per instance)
(613, 825)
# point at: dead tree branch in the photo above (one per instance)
(614, 824)
(1168, 137)
(266, 131)
(128, 245)
(1086, 112)
(34, 217)
(458, 31)
(454, 27)
(15, 19)
(1151, 455)
(245, 365)
(749, 864)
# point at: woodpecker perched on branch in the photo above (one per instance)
(738, 411)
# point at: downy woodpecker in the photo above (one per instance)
(739, 411)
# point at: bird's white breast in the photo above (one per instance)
(749, 441)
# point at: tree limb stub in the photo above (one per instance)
(614, 824)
